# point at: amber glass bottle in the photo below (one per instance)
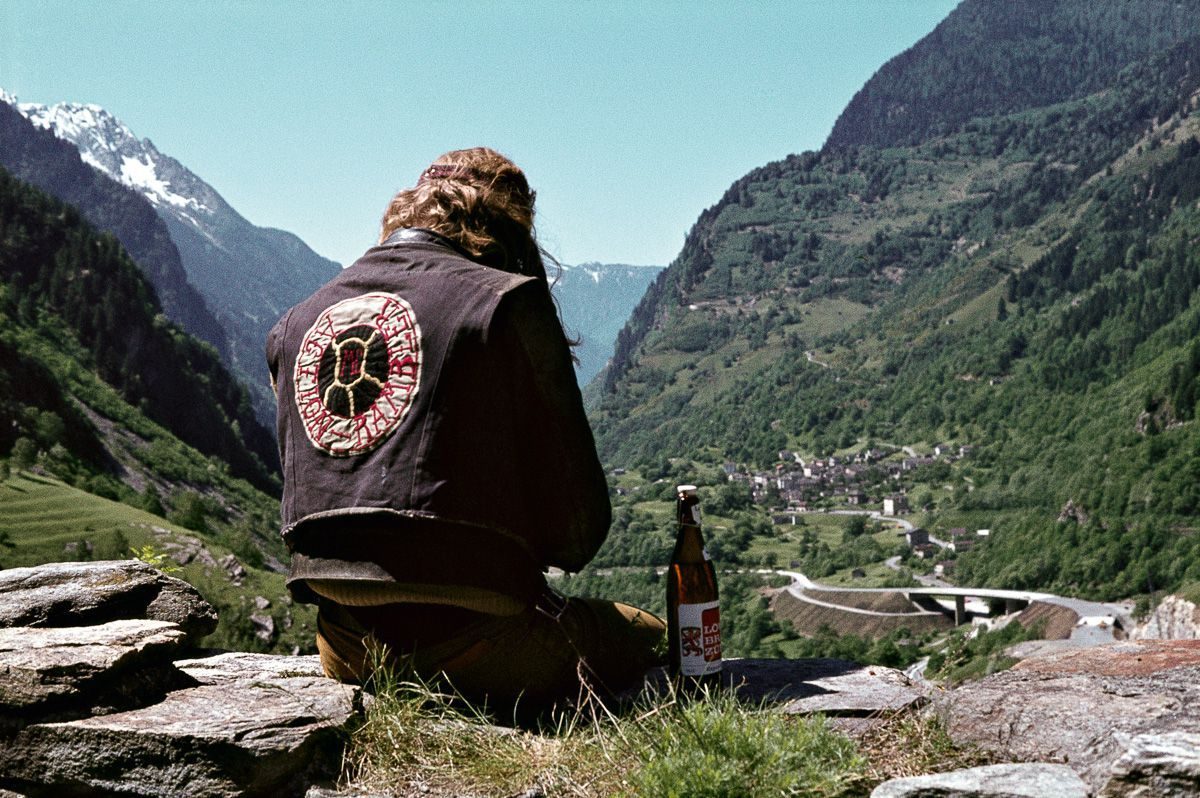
(693, 614)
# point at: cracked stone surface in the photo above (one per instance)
(1075, 707)
(69, 671)
(260, 735)
(88, 593)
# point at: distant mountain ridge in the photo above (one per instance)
(991, 57)
(248, 275)
(596, 299)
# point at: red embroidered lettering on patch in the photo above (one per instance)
(358, 372)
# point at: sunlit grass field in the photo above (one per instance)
(44, 520)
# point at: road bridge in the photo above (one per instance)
(968, 601)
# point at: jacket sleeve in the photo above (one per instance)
(565, 490)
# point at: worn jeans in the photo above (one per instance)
(524, 663)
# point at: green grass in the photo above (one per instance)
(877, 575)
(416, 738)
(785, 543)
(45, 520)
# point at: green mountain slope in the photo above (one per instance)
(991, 57)
(46, 520)
(1022, 282)
(99, 398)
(54, 263)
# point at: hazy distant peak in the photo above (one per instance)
(600, 271)
(595, 265)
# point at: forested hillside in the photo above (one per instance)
(77, 287)
(37, 157)
(997, 247)
(100, 393)
(993, 57)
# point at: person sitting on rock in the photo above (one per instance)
(437, 459)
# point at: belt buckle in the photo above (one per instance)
(551, 603)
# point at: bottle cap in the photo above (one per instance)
(685, 489)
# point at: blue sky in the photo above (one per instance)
(629, 117)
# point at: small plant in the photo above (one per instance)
(717, 746)
(155, 559)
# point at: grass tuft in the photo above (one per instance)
(418, 739)
(914, 744)
(718, 747)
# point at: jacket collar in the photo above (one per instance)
(407, 235)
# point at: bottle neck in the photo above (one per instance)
(689, 544)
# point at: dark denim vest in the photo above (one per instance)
(408, 425)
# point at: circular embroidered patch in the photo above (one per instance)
(358, 370)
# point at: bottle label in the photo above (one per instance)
(699, 639)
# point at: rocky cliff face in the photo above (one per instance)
(1174, 618)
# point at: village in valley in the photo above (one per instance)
(874, 481)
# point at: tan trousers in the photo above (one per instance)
(524, 663)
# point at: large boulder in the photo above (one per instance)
(1118, 710)
(88, 593)
(251, 730)
(95, 701)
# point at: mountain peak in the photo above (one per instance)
(109, 145)
(249, 275)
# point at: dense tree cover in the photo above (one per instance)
(62, 276)
(38, 157)
(992, 57)
(1023, 282)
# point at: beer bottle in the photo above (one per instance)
(693, 615)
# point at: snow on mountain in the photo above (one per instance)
(107, 144)
(596, 299)
(247, 275)
(250, 275)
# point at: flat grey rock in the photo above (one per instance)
(233, 666)
(86, 593)
(66, 671)
(830, 686)
(991, 781)
(1156, 765)
(272, 737)
(1075, 706)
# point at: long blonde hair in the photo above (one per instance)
(481, 201)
